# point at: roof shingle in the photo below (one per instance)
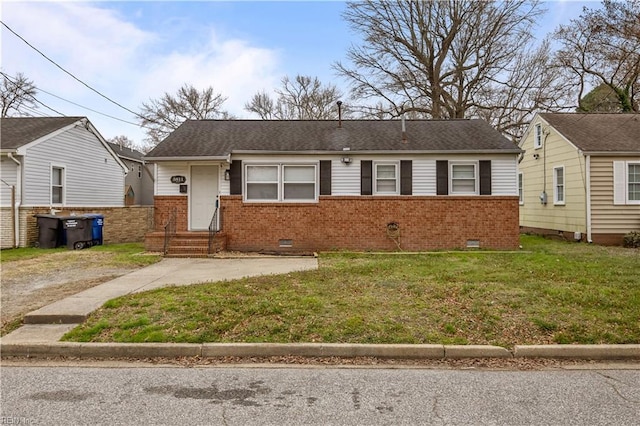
(217, 138)
(598, 132)
(18, 131)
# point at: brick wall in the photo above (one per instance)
(6, 228)
(360, 223)
(121, 224)
(164, 205)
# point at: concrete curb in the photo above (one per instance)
(578, 351)
(212, 350)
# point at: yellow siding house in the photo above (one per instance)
(579, 176)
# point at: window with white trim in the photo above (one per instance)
(280, 182)
(464, 178)
(537, 136)
(558, 185)
(520, 188)
(633, 182)
(57, 185)
(386, 178)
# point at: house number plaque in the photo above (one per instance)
(178, 179)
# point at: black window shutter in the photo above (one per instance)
(406, 177)
(325, 177)
(235, 174)
(365, 177)
(485, 177)
(442, 177)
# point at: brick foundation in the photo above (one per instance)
(121, 224)
(360, 223)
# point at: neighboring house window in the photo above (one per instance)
(634, 182)
(284, 182)
(537, 136)
(386, 178)
(558, 185)
(520, 188)
(464, 178)
(57, 185)
(139, 172)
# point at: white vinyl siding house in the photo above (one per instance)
(54, 164)
(92, 176)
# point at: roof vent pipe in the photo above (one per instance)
(339, 114)
(404, 130)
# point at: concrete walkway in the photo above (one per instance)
(40, 336)
(50, 322)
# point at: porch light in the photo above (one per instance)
(227, 174)
(346, 160)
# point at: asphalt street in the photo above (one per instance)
(317, 395)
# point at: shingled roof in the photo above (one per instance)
(125, 152)
(18, 131)
(598, 132)
(219, 138)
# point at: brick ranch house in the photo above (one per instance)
(304, 186)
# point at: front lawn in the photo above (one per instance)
(550, 292)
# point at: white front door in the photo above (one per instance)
(203, 196)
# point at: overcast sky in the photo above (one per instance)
(135, 51)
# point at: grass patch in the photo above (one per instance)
(551, 292)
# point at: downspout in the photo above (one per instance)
(17, 202)
(588, 195)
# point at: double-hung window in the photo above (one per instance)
(57, 185)
(537, 136)
(386, 178)
(633, 182)
(558, 185)
(281, 182)
(464, 178)
(520, 188)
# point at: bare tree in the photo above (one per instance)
(125, 142)
(304, 98)
(443, 59)
(161, 116)
(602, 46)
(16, 94)
(532, 82)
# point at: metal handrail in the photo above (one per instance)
(169, 230)
(213, 228)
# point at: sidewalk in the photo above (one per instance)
(51, 322)
(44, 327)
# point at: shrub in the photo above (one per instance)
(632, 239)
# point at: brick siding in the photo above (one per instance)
(360, 223)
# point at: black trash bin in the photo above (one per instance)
(79, 232)
(49, 231)
(97, 223)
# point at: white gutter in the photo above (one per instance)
(192, 158)
(381, 152)
(588, 195)
(16, 205)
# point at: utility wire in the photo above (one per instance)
(70, 74)
(73, 103)
(33, 97)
